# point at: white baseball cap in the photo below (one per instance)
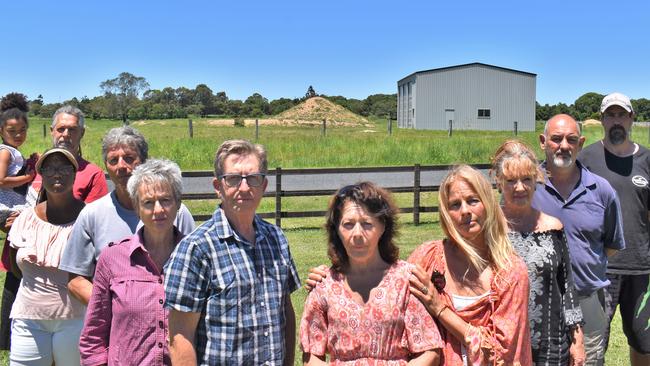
(618, 99)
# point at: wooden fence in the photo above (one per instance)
(278, 192)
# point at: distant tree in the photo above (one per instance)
(203, 95)
(381, 105)
(562, 108)
(310, 93)
(235, 107)
(124, 91)
(168, 96)
(543, 112)
(256, 105)
(586, 105)
(36, 105)
(642, 109)
(193, 109)
(184, 96)
(278, 106)
(47, 110)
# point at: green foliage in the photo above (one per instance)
(587, 105)
(239, 122)
(642, 109)
(278, 106)
(123, 91)
(256, 106)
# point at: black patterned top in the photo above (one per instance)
(553, 307)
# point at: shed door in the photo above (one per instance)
(449, 116)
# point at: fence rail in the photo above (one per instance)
(408, 180)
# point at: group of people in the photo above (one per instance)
(125, 277)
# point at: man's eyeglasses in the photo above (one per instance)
(234, 180)
(50, 171)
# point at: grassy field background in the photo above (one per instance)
(305, 147)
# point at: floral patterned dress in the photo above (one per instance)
(387, 330)
(553, 307)
(498, 323)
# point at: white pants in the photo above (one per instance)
(41, 342)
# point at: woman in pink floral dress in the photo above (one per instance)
(362, 313)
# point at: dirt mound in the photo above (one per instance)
(314, 110)
(591, 122)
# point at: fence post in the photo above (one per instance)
(324, 130)
(390, 126)
(450, 127)
(44, 130)
(516, 128)
(416, 194)
(191, 128)
(278, 197)
(257, 129)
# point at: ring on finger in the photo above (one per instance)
(424, 290)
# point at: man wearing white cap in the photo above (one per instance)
(626, 165)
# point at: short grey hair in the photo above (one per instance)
(70, 109)
(125, 137)
(239, 147)
(153, 172)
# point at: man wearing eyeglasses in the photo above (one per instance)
(626, 166)
(227, 284)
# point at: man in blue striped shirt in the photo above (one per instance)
(227, 284)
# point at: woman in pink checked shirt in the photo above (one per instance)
(126, 322)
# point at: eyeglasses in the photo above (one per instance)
(50, 171)
(234, 180)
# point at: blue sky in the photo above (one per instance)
(352, 48)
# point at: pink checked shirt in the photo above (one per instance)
(126, 322)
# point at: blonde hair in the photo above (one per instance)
(515, 159)
(494, 228)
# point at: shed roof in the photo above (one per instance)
(465, 66)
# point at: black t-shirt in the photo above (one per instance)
(630, 177)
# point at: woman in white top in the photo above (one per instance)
(46, 320)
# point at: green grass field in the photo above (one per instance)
(302, 147)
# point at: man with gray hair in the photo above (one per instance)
(626, 166)
(228, 284)
(112, 217)
(588, 208)
(67, 129)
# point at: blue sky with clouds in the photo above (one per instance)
(351, 48)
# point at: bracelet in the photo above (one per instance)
(441, 310)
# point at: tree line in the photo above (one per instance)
(587, 106)
(128, 97)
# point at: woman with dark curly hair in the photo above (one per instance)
(362, 312)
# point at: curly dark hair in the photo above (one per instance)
(13, 106)
(379, 204)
